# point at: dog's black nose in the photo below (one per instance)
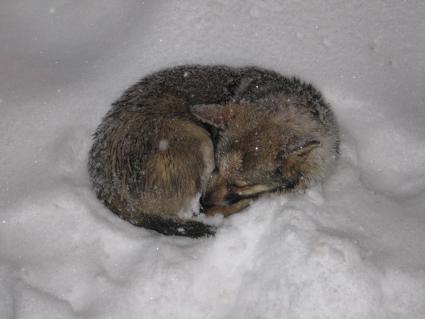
(206, 202)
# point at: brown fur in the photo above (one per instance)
(226, 133)
(270, 145)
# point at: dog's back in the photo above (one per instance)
(150, 155)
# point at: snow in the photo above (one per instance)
(353, 247)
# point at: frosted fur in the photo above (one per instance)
(146, 183)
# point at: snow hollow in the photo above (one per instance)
(353, 247)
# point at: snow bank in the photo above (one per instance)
(351, 248)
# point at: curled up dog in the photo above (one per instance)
(229, 134)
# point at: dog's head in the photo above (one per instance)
(270, 145)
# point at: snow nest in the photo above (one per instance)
(353, 247)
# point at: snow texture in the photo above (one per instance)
(353, 247)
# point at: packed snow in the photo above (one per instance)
(353, 247)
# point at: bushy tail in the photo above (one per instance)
(172, 227)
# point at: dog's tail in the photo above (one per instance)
(179, 227)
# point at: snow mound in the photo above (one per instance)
(353, 247)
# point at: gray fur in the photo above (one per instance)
(151, 156)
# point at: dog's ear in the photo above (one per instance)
(216, 115)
